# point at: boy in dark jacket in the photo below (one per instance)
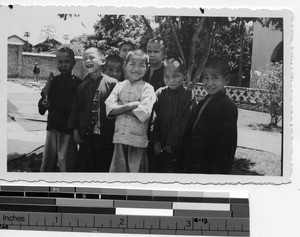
(172, 111)
(93, 132)
(157, 51)
(57, 98)
(213, 137)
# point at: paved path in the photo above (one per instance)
(28, 132)
(21, 141)
(264, 141)
(25, 99)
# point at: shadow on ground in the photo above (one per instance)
(32, 163)
(26, 162)
(265, 127)
(243, 167)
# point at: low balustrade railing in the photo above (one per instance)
(252, 96)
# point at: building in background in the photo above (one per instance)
(20, 62)
(267, 47)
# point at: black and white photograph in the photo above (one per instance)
(162, 95)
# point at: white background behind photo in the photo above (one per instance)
(274, 209)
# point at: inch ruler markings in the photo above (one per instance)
(124, 211)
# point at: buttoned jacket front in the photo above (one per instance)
(132, 130)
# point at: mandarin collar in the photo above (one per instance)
(94, 80)
(135, 82)
(220, 93)
(66, 77)
(180, 88)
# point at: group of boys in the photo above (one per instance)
(132, 113)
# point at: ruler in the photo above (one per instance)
(132, 211)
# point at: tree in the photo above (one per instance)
(194, 39)
(47, 45)
(27, 35)
(77, 44)
(48, 32)
(233, 42)
(190, 38)
(66, 38)
(27, 46)
(276, 23)
(111, 30)
(77, 47)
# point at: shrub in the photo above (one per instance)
(271, 79)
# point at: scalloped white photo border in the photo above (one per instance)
(150, 178)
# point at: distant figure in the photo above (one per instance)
(36, 72)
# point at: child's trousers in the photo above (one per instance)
(129, 159)
(60, 150)
(95, 154)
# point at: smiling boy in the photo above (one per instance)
(213, 139)
(131, 102)
(92, 130)
(172, 111)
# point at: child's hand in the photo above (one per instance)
(76, 137)
(168, 148)
(133, 104)
(157, 148)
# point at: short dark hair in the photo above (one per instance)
(218, 63)
(114, 58)
(137, 53)
(99, 51)
(170, 60)
(67, 50)
(158, 40)
(126, 43)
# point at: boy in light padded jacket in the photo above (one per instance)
(131, 101)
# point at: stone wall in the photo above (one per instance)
(21, 64)
(13, 58)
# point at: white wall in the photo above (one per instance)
(265, 39)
